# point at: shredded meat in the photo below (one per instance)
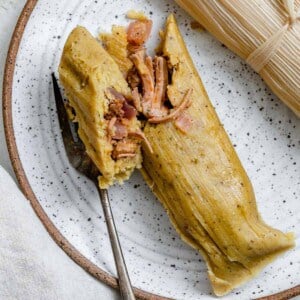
(154, 89)
(129, 111)
(184, 122)
(111, 126)
(136, 98)
(149, 64)
(133, 78)
(115, 109)
(147, 80)
(151, 77)
(120, 131)
(161, 82)
(138, 32)
(124, 148)
(140, 134)
(119, 107)
(175, 113)
(119, 116)
(125, 155)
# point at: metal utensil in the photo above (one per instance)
(79, 159)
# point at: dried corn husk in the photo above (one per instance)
(266, 33)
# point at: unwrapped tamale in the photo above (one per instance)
(98, 93)
(200, 181)
(266, 33)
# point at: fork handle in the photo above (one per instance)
(123, 278)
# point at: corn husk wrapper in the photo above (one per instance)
(266, 33)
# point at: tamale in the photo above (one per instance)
(200, 181)
(264, 33)
(92, 80)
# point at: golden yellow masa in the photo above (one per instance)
(199, 179)
(115, 44)
(87, 71)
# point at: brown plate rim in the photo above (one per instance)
(26, 188)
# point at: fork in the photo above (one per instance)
(79, 159)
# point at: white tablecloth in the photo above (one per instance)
(32, 266)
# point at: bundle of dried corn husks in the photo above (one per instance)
(266, 33)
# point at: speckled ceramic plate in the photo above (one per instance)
(264, 132)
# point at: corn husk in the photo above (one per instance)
(266, 33)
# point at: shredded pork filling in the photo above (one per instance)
(149, 79)
(124, 140)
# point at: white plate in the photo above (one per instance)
(265, 132)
